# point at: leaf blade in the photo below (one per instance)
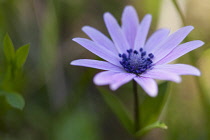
(154, 105)
(157, 124)
(9, 49)
(15, 100)
(21, 55)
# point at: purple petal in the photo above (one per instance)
(161, 74)
(116, 33)
(181, 50)
(100, 38)
(180, 69)
(156, 39)
(172, 42)
(121, 79)
(98, 50)
(104, 78)
(115, 79)
(130, 24)
(142, 32)
(149, 85)
(97, 64)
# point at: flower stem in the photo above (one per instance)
(136, 108)
(179, 11)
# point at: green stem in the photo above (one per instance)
(136, 108)
(179, 11)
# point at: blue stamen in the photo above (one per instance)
(135, 62)
(124, 56)
(143, 54)
(135, 52)
(151, 55)
(141, 49)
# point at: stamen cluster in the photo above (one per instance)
(136, 62)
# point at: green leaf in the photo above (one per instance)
(117, 107)
(151, 108)
(146, 129)
(21, 55)
(15, 100)
(9, 49)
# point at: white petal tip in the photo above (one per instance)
(86, 28)
(201, 43)
(107, 14)
(75, 39)
(198, 73)
(153, 94)
(178, 80)
(190, 27)
(129, 7)
(72, 63)
(113, 87)
(148, 16)
(194, 71)
(95, 81)
(99, 82)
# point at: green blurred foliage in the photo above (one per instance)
(119, 110)
(61, 100)
(76, 125)
(154, 105)
(13, 72)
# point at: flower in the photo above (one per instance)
(130, 55)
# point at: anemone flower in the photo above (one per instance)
(129, 55)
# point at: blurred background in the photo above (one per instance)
(62, 103)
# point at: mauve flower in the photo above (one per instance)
(130, 55)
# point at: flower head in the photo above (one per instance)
(130, 55)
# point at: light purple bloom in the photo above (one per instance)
(130, 55)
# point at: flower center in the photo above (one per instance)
(136, 62)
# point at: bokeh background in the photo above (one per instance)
(62, 103)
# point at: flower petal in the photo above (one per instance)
(130, 22)
(116, 33)
(115, 79)
(181, 50)
(100, 38)
(180, 69)
(156, 39)
(98, 50)
(97, 65)
(149, 85)
(172, 42)
(161, 74)
(103, 78)
(121, 79)
(142, 32)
